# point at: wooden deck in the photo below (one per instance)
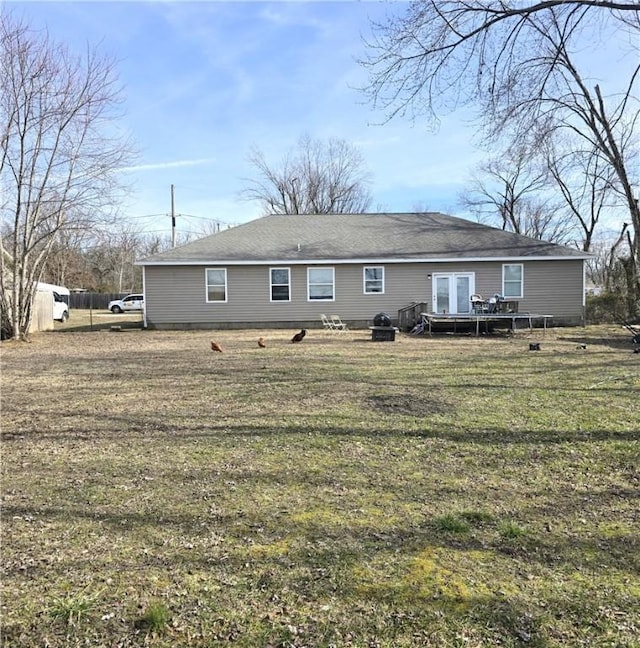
(431, 320)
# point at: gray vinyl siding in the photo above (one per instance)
(176, 295)
(554, 287)
(550, 287)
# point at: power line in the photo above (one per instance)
(147, 216)
(216, 222)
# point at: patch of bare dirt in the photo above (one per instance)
(409, 404)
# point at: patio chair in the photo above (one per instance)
(478, 304)
(338, 324)
(494, 304)
(327, 324)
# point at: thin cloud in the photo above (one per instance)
(167, 165)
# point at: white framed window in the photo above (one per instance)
(373, 279)
(280, 284)
(216, 280)
(320, 284)
(513, 280)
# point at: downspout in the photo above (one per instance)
(584, 292)
(144, 292)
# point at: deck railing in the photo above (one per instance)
(409, 316)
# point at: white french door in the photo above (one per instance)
(452, 292)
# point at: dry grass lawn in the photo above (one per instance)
(435, 491)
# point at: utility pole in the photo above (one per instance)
(173, 218)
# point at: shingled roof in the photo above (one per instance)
(341, 238)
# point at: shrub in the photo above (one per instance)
(607, 308)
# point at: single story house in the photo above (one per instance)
(286, 270)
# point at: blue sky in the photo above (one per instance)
(206, 81)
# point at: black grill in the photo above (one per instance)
(381, 319)
(382, 330)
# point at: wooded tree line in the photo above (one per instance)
(564, 148)
(106, 262)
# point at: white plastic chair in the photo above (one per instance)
(327, 323)
(338, 324)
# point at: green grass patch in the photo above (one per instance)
(72, 608)
(510, 529)
(155, 617)
(452, 523)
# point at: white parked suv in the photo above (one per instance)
(129, 303)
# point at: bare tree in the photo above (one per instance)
(505, 188)
(66, 265)
(515, 63)
(441, 54)
(60, 152)
(123, 244)
(317, 177)
(585, 182)
(604, 268)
